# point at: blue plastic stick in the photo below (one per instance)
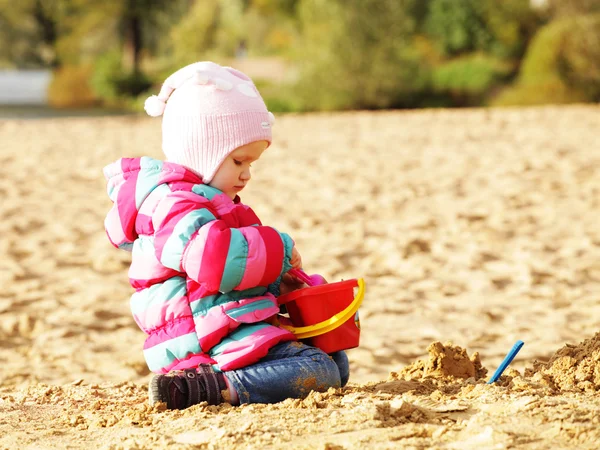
(507, 360)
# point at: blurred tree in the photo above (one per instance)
(137, 16)
(196, 33)
(133, 25)
(560, 8)
(468, 79)
(112, 37)
(200, 31)
(357, 54)
(272, 26)
(214, 29)
(562, 64)
(28, 33)
(279, 8)
(458, 26)
(499, 27)
(51, 32)
(580, 56)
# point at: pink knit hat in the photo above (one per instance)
(208, 111)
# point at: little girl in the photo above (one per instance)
(206, 272)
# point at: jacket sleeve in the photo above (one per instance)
(189, 238)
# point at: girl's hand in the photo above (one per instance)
(289, 284)
(296, 260)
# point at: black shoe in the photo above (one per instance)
(180, 390)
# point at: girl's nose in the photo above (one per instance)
(245, 175)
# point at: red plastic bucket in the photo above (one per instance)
(326, 315)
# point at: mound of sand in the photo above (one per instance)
(445, 361)
(573, 367)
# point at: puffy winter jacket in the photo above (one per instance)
(203, 267)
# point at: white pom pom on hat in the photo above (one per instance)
(154, 106)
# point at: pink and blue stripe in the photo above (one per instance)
(145, 184)
(257, 258)
(232, 353)
(235, 262)
(152, 306)
(185, 228)
(171, 350)
(205, 191)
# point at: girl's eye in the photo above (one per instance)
(237, 162)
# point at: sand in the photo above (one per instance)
(472, 229)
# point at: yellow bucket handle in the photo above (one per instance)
(333, 322)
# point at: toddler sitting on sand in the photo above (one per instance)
(206, 272)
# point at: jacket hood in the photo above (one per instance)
(129, 182)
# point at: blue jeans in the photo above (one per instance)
(289, 370)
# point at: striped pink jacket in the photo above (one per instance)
(203, 267)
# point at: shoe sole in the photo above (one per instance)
(154, 392)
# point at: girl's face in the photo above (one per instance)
(234, 173)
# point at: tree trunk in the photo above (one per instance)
(48, 33)
(133, 43)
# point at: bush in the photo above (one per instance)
(580, 56)
(559, 8)
(498, 27)
(561, 65)
(106, 69)
(204, 33)
(471, 76)
(112, 84)
(357, 54)
(279, 97)
(70, 88)
(458, 26)
(544, 93)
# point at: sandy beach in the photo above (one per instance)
(472, 229)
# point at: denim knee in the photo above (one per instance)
(325, 371)
(341, 360)
(290, 370)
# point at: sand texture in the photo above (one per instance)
(471, 228)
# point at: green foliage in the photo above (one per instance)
(470, 75)
(458, 25)
(92, 28)
(561, 65)
(499, 27)
(278, 98)
(580, 56)
(201, 35)
(544, 93)
(541, 61)
(106, 70)
(113, 36)
(357, 54)
(28, 33)
(110, 83)
(214, 29)
(512, 24)
(275, 7)
(337, 54)
(562, 8)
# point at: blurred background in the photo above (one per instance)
(62, 57)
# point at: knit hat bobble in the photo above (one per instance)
(154, 106)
